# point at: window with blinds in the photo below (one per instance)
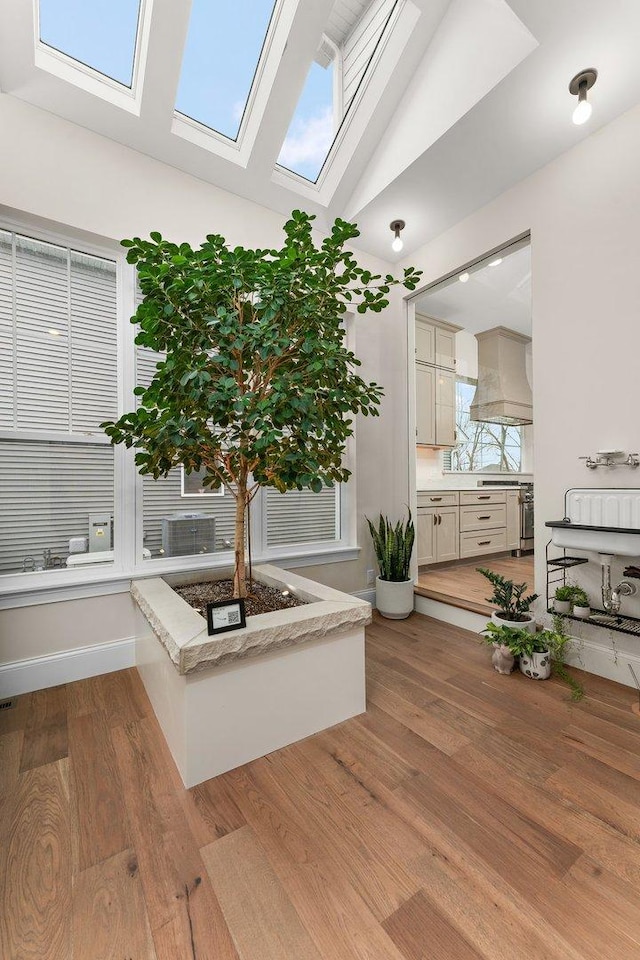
(302, 516)
(58, 376)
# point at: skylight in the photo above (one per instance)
(221, 57)
(335, 78)
(314, 125)
(100, 34)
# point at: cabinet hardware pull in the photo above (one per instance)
(439, 519)
(484, 496)
(435, 499)
(484, 543)
(435, 519)
(487, 516)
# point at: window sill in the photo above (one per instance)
(103, 583)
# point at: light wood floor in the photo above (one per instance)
(466, 815)
(460, 584)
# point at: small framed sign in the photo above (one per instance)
(224, 615)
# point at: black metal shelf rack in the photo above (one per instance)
(557, 575)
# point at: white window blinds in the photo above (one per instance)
(58, 337)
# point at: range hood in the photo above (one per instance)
(503, 394)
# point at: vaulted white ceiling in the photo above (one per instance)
(463, 98)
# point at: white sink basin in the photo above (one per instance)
(598, 541)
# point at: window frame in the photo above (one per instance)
(25, 589)
(498, 473)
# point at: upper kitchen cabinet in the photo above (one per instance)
(435, 343)
(435, 383)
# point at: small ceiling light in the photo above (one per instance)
(463, 277)
(397, 226)
(582, 82)
(496, 262)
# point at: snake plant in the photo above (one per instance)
(393, 546)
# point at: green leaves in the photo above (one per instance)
(393, 546)
(508, 596)
(256, 377)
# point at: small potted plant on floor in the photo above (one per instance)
(581, 607)
(509, 597)
(562, 600)
(534, 655)
(393, 546)
(500, 638)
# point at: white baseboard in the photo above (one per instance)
(604, 660)
(368, 595)
(23, 676)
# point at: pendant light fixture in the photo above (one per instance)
(581, 83)
(397, 226)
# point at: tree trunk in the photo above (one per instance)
(240, 573)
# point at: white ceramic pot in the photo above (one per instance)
(394, 599)
(529, 625)
(537, 666)
(562, 606)
(582, 612)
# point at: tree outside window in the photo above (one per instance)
(485, 447)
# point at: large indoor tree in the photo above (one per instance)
(257, 386)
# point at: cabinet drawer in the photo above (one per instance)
(437, 498)
(468, 497)
(489, 541)
(483, 518)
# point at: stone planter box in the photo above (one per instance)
(222, 701)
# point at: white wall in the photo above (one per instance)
(583, 212)
(74, 178)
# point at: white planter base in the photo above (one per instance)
(224, 701)
(216, 720)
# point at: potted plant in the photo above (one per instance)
(257, 385)
(562, 599)
(500, 638)
(581, 607)
(393, 546)
(533, 653)
(509, 598)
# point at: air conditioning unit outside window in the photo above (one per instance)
(188, 534)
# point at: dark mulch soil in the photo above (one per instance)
(261, 599)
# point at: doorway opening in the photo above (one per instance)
(474, 454)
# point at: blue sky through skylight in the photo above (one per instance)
(98, 33)
(223, 47)
(313, 125)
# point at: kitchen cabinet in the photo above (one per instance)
(425, 342)
(454, 524)
(445, 343)
(445, 406)
(438, 528)
(435, 384)
(435, 406)
(425, 404)
(437, 534)
(436, 343)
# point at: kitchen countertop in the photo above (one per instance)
(459, 489)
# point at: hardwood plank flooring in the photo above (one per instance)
(460, 585)
(464, 816)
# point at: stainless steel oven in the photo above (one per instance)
(526, 518)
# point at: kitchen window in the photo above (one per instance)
(481, 447)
